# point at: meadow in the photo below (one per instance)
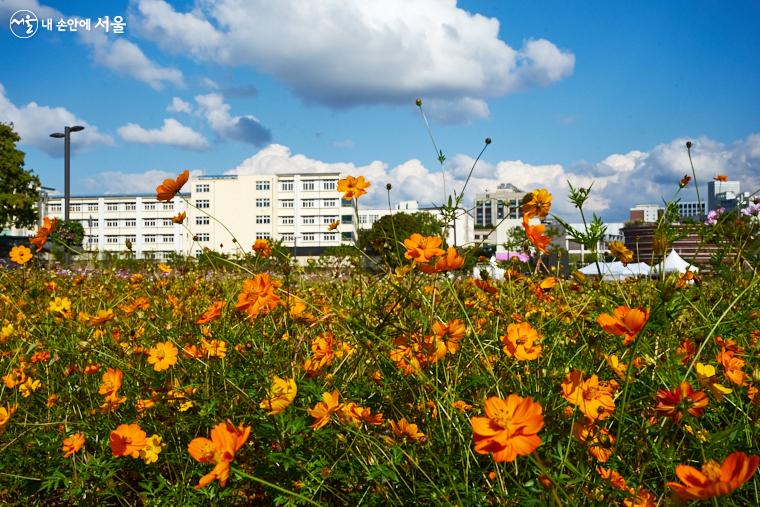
(245, 381)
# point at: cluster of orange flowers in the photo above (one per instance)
(325, 347)
(352, 187)
(537, 205)
(109, 388)
(348, 413)
(592, 396)
(226, 440)
(131, 440)
(258, 296)
(262, 248)
(414, 351)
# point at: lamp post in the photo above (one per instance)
(66, 135)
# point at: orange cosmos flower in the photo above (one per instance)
(675, 403)
(112, 379)
(258, 295)
(619, 251)
(449, 262)
(262, 248)
(721, 177)
(72, 444)
(20, 254)
(615, 479)
(455, 330)
(510, 428)
(323, 411)
(520, 342)
(405, 429)
(43, 232)
(225, 441)
(169, 188)
(422, 248)
(212, 312)
(536, 236)
(99, 318)
(599, 440)
(626, 322)
(179, 218)
(128, 440)
(537, 203)
(333, 225)
(594, 398)
(714, 479)
(162, 355)
(281, 395)
(353, 188)
(5, 415)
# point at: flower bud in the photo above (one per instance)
(418, 102)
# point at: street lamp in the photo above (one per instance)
(66, 135)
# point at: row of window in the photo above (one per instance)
(111, 206)
(128, 222)
(309, 237)
(263, 202)
(117, 240)
(285, 186)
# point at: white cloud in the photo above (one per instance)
(172, 133)
(343, 54)
(620, 181)
(246, 128)
(118, 182)
(34, 123)
(179, 106)
(115, 53)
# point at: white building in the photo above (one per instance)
(294, 208)
(460, 233)
(646, 213)
(111, 221)
(497, 213)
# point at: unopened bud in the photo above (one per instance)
(688, 145)
(418, 102)
(388, 186)
(488, 140)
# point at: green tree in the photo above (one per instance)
(19, 188)
(385, 238)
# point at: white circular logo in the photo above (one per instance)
(24, 24)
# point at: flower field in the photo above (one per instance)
(256, 381)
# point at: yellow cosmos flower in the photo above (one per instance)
(281, 395)
(20, 254)
(163, 355)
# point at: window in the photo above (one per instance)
(76, 207)
(286, 186)
(202, 188)
(262, 203)
(309, 236)
(202, 203)
(149, 222)
(286, 221)
(93, 222)
(112, 206)
(308, 203)
(130, 237)
(167, 222)
(362, 219)
(287, 238)
(328, 185)
(309, 184)
(262, 219)
(92, 239)
(130, 206)
(263, 235)
(262, 185)
(168, 206)
(346, 236)
(201, 221)
(330, 203)
(112, 223)
(54, 208)
(286, 203)
(202, 237)
(149, 206)
(309, 220)
(149, 238)
(328, 219)
(346, 202)
(130, 222)
(112, 239)
(347, 219)
(168, 238)
(330, 236)
(92, 207)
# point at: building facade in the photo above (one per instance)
(497, 213)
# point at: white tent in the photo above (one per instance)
(674, 263)
(494, 271)
(616, 270)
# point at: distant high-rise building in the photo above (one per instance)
(723, 194)
(497, 212)
(691, 209)
(645, 213)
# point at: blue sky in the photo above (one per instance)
(603, 92)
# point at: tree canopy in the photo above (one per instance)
(385, 238)
(19, 188)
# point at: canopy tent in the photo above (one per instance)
(674, 263)
(616, 270)
(494, 271)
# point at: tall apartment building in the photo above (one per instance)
(294, 208)
(720, 194)
(497, 213)
(692, 209)
(111, 221)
